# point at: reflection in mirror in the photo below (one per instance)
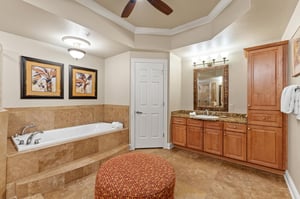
(211, 88)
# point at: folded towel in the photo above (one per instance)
(288, 99)
(117, 125)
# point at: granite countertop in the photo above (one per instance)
(223, 116)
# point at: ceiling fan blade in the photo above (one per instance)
(161, 6)
(128, 8)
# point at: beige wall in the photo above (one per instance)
(15, 46)
(292, 31)
(175, 83)
(1, 79)
(237, 83)
(3, 144)
(117, 79)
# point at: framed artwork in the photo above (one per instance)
(82, 83)
(41, 79)
(296, 56)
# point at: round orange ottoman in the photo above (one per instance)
(135, 175)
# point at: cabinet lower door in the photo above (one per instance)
(213, 141)
(265, 146)
(194, 137)
(179, 134)
(235, 145)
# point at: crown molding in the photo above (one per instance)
(98, 9)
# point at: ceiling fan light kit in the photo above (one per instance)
(76, 43)
(76, 53)
(158, 4)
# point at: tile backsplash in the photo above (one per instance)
(46, 118)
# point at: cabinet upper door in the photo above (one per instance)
(266, 77)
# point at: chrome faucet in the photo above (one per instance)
(206, 111)
(26, 127)
(29, 139)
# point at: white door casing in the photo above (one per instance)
(148, 103)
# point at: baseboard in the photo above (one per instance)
(131, 148)
(169, 146)
(292, 188)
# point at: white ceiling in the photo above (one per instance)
(50, 20)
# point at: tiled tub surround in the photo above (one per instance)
(40, 171)
(46, 118)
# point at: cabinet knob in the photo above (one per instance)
(249, 105)
(249, 128)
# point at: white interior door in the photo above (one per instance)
(149, 104)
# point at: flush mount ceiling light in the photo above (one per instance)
(76, 53)
(76, 43)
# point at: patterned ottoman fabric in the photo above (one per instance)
(135, 175)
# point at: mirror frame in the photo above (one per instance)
(225, 87)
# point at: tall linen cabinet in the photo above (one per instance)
(267, 126)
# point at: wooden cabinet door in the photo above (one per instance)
(179, 134)
(234, 145)
(265, 146)
(265, 78)
(194, 137)
(213, 141)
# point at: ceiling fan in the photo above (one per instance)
(158, 4)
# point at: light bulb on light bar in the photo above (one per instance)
(76, 53)
(76, 41)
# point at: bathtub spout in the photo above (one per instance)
(29, 139)
(26, 127)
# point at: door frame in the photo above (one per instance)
(132, 99)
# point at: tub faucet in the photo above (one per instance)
(26, 127)
(29, 139)
(206, 111)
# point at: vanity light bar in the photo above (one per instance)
(213, 62)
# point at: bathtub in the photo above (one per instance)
(64, 135)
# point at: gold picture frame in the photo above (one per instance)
(41, 79)
(82, 83)
(294, 47)
(296, 57)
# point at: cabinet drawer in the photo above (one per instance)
(236, 127)
(178, 120)
(213, 125)
(193, 122)
(266, 118)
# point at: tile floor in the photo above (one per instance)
(197, 177)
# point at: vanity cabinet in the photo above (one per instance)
(194, 134)
(213, 137)
(266, 135)
(235, 141)
(265, 146)
(179, 131)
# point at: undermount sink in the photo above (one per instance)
(206, 117)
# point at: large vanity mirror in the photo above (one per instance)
(211, 88)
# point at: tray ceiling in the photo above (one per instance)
(145, 15)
